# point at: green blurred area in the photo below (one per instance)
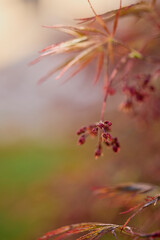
(41, 186)
(26, 200)
(44, 186)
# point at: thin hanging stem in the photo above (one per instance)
(108, 82)
(105, 98)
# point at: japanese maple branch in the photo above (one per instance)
(108, 82)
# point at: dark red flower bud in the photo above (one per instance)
(100, 125)
(139, 96)
(108, 123)
(132, 90)
(115, 139)
(82, 140)
(98, 151)
(95, 131)
(107, 136)
(152, 88)
(81, 130)
(117, 144)
(107, 143)
(115, 148)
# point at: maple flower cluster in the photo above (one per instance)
(101, 129)
(137, 93)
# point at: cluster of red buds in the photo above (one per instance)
(100, 129)
(139, 92)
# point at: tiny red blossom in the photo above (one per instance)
(100, 129)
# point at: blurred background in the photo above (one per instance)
(45, 179)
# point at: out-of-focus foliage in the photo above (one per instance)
(95, 231)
